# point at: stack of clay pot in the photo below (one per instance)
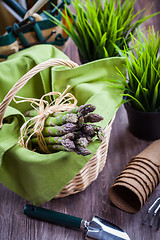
(138, 180)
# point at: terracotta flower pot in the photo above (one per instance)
(144, 125)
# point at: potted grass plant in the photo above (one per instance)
(98, 25)
(142, 88)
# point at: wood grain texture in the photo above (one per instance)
(14, 225)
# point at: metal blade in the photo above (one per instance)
(102, 229)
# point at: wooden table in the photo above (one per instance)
(14, 225)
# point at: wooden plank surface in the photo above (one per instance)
(14, 225)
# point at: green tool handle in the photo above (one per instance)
(52, 216)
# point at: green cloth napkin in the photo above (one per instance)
(39, 177)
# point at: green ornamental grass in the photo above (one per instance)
(98, 25)
(142, 89)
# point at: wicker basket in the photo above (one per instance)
(90, 171)
(95, 165)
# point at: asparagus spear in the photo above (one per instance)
(92, 117)
(31, 113)
(85, 109)
(88, 129)
(81, 111)
(83, 142)
(80, 134)
(80, 121)
(60, 119)
(81, 146)
(82, 150)
(55, 131)
(91, 130)
(57, 147)
(68, 136)
(53, 148)
(55, 140)
(59, 130)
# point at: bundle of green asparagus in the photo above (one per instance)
(70, 130)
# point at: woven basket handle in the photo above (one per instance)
(23, 80)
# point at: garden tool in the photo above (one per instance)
(97, 228)
(155, 215)
(15, 6)
(40, 3)
(36, 7)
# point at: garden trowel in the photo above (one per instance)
(97, 228)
